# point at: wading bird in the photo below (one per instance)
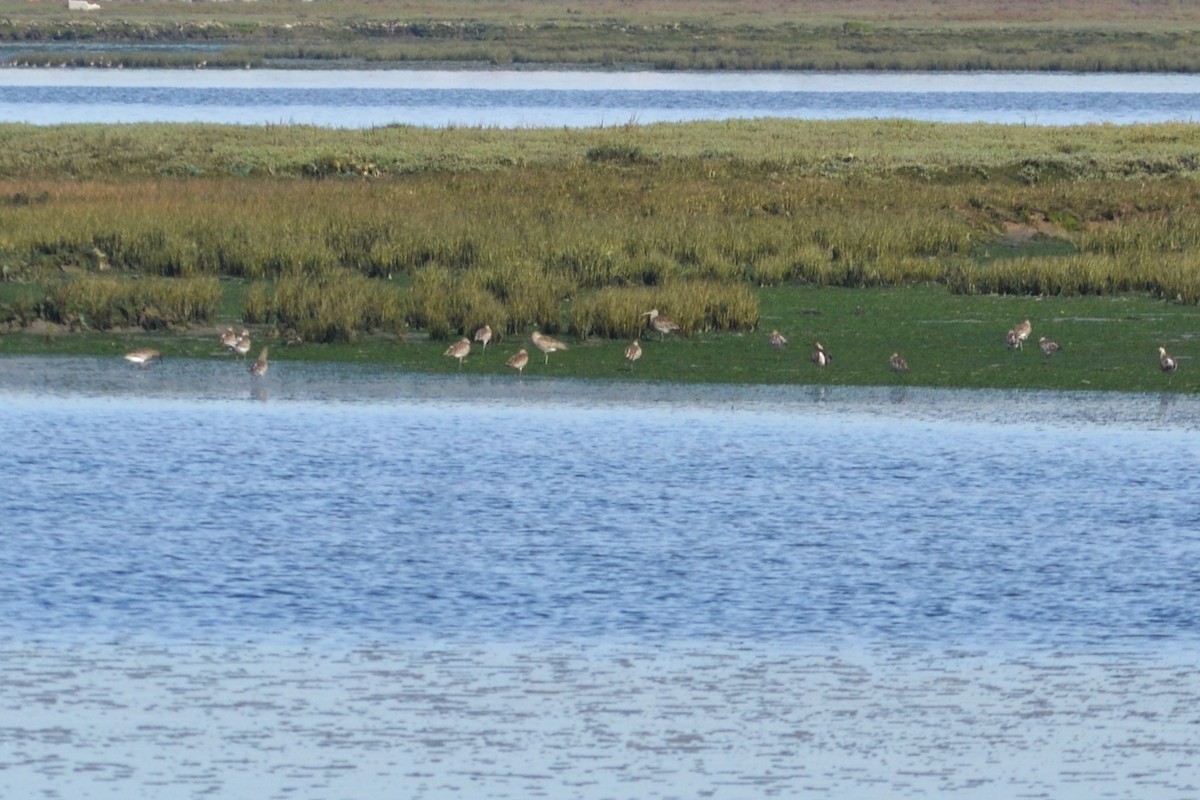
(663, 325)
(518, 361)
(459, 350)
(259, 367)
(484, 335)
(228, 339)
(777, 340)
(547, 344)
(897, 363)
(142, 357)
(242, 345)
(1048, 347)
(820, 356)
(1022, 331)
(633, 353)
(1165, 362)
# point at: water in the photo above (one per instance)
(508, 99)
(343, 581)
(516, 517)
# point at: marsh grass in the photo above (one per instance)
(516, 229)
(663, 34)
(511, 246)
(1109, 343)
(696, 305)
(330, 307)
(769, 152)
(102, 302)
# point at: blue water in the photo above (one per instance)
(348, 581)
(470, 509)
(354, 99)
(344, 581)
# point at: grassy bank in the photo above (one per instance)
(388, 244)
(662, 34)
(950, 341)
(836, 150)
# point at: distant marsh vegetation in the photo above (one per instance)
(660, 34)
(403, 230)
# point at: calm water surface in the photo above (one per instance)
(370, 98)
(345, 579)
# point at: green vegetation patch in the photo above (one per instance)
(1107, 343)
(869, 237)
(664, 34)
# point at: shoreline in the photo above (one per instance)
(950, 341)
(330, 385)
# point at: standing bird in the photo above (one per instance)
(142, 357)
(1048, 346)
(897, 363)
(546, 344)
(518, 361)
(820, 356)
(633, 353)
(1012, 339)
(228, 339)
(1165, 362)
(459, 350)
(1022, 331)
(777, 340)
(663, 325)
(242, 345)
(259, 367)
(484, 335)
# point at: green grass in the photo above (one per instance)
(384, 245)
(662, 34)
(923, 152)
(950, 341)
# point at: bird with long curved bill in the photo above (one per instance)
(518, 360)
(460, 350)
(547, 344)
(660, 323)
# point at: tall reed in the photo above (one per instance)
(335, 306)
(515, 229)
(104, 302)
(696, 305)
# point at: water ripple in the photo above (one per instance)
(553, 508)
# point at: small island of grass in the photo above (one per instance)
(872, 237)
